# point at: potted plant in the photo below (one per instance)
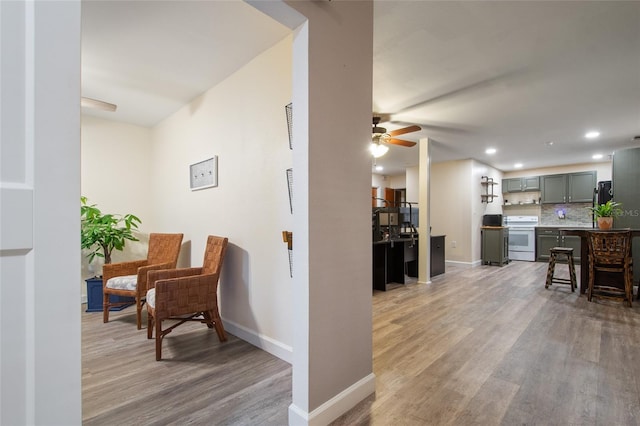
(604, 213)
(101, 234)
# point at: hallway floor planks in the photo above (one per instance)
(484, 345)
(489, 345)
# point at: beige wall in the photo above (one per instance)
(242, 121)
(457, 208)
(131, 169)
(116, 176)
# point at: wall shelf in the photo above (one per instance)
(487, 185)
(523, 205)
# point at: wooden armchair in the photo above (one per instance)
(129, 279)
(187, 294)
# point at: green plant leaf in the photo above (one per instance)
(100, 233)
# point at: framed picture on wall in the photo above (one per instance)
(204, 174)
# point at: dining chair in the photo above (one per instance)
(610, 256)
(129, 279)
(187, 294)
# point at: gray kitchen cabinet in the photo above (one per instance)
(581, 187)
(554, 189)
(547, 238)
(495, 245)
(568, 188)
(521, 184)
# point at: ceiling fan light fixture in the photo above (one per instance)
(378, 150)
(379, 130)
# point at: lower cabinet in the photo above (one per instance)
(437, 255)
(547, 238)
(495, 245)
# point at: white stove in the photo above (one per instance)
(522, 237)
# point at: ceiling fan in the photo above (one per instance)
(381, 136)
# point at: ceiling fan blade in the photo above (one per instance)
(395, 141)
(96, 104)
(404, 130)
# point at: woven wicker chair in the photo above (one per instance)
(129, 279)
(187, 294)
(610, 252)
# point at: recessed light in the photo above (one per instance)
(379, 168)
(597, 156)
(592, 134)
(490, 151)
(518, 165)
(550, 143)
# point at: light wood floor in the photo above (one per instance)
(485, 345)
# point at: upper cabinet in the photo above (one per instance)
(521, 184)
(568, 188)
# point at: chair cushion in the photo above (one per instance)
(125, 282)
(151, 297)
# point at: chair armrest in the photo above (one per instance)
(185, 295)
(111, 270)
(144, 270)
(164, 274)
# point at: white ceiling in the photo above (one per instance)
(509, 75)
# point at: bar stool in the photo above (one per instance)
(553, 257)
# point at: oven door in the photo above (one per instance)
(522, 239)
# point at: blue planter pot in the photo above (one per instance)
(94, 297)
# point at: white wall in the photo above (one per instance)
(242, 121)
(116, 177)
(413, 183)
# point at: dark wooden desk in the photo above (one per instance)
(584, 250)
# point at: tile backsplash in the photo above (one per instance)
(575, 214)
(528, 204)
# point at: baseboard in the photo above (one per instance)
(336, 406)
(267, 344)
(455, 262)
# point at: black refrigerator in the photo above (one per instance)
(626, 190)
(604, 192)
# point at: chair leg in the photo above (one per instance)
(159, 337)
(628, 286)
(149, 325)
(139, 312)
(105, 308)
(550, 270)
(572, 273)
(217, 323)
